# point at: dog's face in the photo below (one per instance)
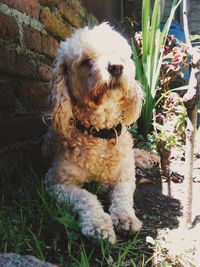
(99, 73)
(98, 60)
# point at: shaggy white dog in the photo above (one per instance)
(94, 97)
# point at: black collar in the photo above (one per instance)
(102, 133)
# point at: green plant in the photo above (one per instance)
(169, 122)
(170, 114)
(148, 65)
(175, 65)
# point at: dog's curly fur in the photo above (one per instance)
(83, 89)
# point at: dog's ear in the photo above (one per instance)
(62, 115)
(134, 104)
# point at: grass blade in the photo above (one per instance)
(38, 245)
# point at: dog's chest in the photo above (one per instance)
(103, 160)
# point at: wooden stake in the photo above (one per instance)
(191, 103)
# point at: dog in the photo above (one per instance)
(94, 98)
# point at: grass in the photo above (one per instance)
(32, 223)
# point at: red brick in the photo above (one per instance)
(77, 6)
(15, 64)
(31, 7)
(54, 25)
(33, 96)
(40, 42)
(19, 129)
(8, 28)
(50, 46)
(49, 3)
(7, 95)
(44, 71)
(32, 39)
(70, 14)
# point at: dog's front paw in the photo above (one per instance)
(100, 227)
(126, 221)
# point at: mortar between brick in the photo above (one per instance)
(22, 18)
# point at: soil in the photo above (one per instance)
(159, 204)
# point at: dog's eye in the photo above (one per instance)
(86, 62)
(132, 57)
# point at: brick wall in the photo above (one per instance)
(30, 32)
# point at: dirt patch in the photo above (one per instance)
(159, 205)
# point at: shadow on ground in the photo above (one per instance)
(156, 211)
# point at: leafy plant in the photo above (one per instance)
(148, 63)
(169, 122)
(175, 64)
(170, 114)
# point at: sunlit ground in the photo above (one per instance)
(181, 247)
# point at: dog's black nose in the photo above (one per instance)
(115, 70)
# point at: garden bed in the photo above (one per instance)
(31, 223)
(173, 244)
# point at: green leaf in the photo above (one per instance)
(166, 28)
(145, 29)
(137, 61)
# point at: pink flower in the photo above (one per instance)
(176, 58)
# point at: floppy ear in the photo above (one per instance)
(60, 99)
(133, 105)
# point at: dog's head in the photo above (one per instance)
(94, 80)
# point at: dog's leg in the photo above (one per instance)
(95, 222)
(121, 209)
